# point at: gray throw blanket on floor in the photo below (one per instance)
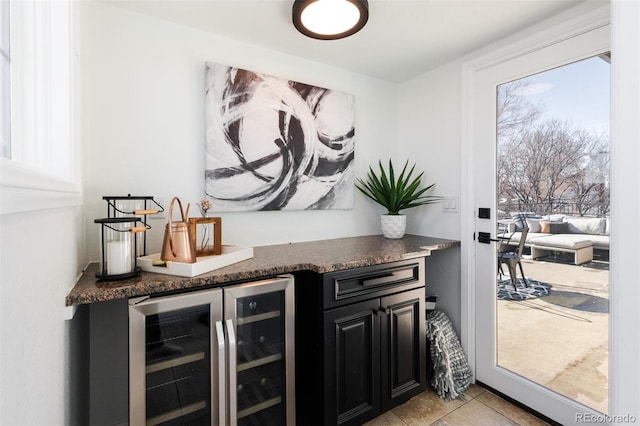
(451, 371)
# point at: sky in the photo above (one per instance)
(577, 92)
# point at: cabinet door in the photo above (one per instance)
(171, 352)
(352, 363)
(403, 340)
(262, 360)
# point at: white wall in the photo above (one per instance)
(429, 126)
(145, 109)
(39, 265)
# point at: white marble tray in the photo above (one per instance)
(230, 255)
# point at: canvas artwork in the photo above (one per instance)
(275, 144)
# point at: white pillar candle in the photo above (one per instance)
(118, 257)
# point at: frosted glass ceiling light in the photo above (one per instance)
(330, 19)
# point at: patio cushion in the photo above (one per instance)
(534, 225)
(550, 227)
(544, 226)
(558, 228)
(515, 238)
(566, 241)
(599, 241)
(586, 225)
(554, 217)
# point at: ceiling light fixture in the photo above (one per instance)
(330, 19)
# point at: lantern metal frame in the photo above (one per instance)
(106, 223)
(113, 210)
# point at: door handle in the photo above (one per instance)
(485, 238)
(222, 374)
(233, 363)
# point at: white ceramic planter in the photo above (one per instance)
(393, 225)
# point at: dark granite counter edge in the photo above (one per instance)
(87, 290)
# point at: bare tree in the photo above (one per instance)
(515, 112)
(591, 185)
(545, 165)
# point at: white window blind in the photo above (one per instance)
(39, 167)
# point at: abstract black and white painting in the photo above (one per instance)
(275, 144)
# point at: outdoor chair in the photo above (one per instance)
(512, 258)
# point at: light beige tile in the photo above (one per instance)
(386, 419)
(475, 413)
(473, 392)
(509, 410)
(425, 408)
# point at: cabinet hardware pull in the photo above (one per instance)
(383, 311)
(232, 362)
(378, 279)
(222, 375)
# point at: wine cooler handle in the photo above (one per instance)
(222, 374)
(233, 391)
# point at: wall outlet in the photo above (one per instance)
(450, 204)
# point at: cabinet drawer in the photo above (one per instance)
(354, 285)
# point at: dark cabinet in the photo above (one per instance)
(352, 362)
(403, 355)
(371, 325)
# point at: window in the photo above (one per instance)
(39, 168)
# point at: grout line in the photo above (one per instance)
(445, 415)
(501, 414)
(465, 402)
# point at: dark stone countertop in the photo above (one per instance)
(318, 256)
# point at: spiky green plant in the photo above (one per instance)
(396, 194)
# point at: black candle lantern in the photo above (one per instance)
(128, 205)
(118, 247)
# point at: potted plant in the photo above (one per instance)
(395, 194)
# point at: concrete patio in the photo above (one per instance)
(561, 340)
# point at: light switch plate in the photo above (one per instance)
(450, 204)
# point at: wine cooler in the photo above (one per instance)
(222, 356)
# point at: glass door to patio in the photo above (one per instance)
(553, 180)
(542, 300)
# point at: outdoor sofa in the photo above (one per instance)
(571, 234)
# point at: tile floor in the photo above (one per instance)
(480, 407)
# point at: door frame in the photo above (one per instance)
(624, 383)
(562, 27)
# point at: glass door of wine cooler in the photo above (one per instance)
(262, 367)
(174, 359)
